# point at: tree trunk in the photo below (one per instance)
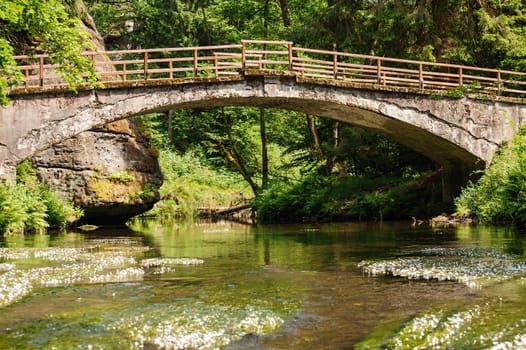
(316, 143)
(334, 138)
(264, 153)
(285, 12)
(266, 11)
(233, 155)
(170, 131)
(205, 34)
(234, 159)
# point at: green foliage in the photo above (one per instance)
(487, 33)
(190, 183)
(230, 128)
(169, 23)
(334, 197)
(59, 212)
(9, 74)
(32, 26)
(12, 214)
(31, 206)
(500, 194)
(146, 193)
(197, 135)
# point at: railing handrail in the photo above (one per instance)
(266, 55)
(409, 61)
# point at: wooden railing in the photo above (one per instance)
(271, 56)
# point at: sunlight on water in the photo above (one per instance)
(63, 267)
(129, 319)
(195, 325)
(472, 266)
(497, 324)
(113, 260)
(159, 266)
(476, 327)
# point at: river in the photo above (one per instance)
(230, 286)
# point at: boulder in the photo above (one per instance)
(108, 171)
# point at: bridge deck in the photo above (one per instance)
(168, 65)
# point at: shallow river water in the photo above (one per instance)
(230, 286)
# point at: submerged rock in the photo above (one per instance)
(450, 220)
(473, 267)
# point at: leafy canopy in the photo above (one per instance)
(34, 26)
(500, 194)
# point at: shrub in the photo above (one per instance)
(190, 183)
(31, 206)
(500, 194)
(12, 211)
(323, 197)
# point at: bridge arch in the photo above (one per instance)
(460, 134)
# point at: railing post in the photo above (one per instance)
(499, 82)
(421, 76)
(334, 62)
(145, 65)
(124, 73)
(171, 68)
(195, 62)
(290, 56)
(41, 71)
(243, 55)
(216, 68)
(460, 78)
(379, 70)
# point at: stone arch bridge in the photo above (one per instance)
(409, 104)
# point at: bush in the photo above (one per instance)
(31, 206)
(319, 197)
(190, 183)
(500, 194)
(12, 211)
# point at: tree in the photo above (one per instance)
(264, 149)
(31, 27)
(484, 33)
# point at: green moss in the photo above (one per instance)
(122, 176)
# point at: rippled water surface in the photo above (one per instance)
(230, 286)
